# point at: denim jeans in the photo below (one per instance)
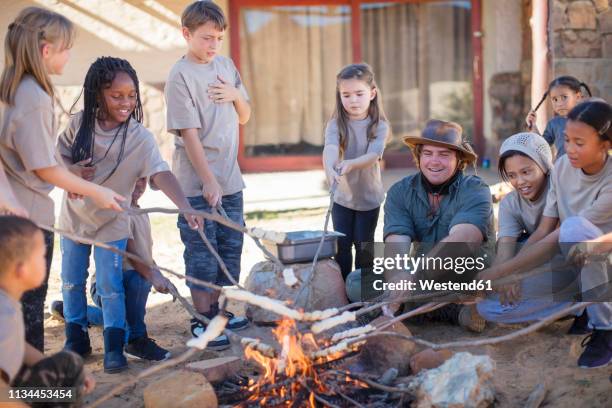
(75, 263)
(199, 261)
(136, 294)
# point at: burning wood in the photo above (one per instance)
(295, 376)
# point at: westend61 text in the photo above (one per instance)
(429, 285)
(411, 264)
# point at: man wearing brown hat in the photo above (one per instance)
(439, 205)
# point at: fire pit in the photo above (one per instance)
(297, 378)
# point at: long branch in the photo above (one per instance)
(486, 341)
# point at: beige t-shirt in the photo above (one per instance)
(12, 336)
(140, 232)
(575, 193)
(517, 214)
(362, 189)
(189, 107)
(141, 158)
(27, 143)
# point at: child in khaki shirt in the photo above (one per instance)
(22, 268)
(206, 102)
(37, 45)
(118, 150)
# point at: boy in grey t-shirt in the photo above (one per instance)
(206, 103)
(22, 268)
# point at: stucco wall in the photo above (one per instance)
(502, 48)
(147, 34)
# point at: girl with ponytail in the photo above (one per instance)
(565, 93)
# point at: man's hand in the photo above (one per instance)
(222, 92)
(212, 192)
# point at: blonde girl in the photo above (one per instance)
(37, 45)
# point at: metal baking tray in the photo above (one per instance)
(301, 246)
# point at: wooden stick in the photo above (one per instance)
(537, 396)
(349, 399)
(308, 282)
(486, 341)
(371, 383)
(428, 307)
(129, 255)
(213, 251)
(145, 373)
(318, 398)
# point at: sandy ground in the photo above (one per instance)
(547, 355)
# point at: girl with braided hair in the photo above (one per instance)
(37, 45)
(107, 144)
(565, 93)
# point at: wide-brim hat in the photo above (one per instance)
(443, 134)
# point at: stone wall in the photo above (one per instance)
(581, 42)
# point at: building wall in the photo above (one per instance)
(145, 33)
(502, 49)
(581, 42)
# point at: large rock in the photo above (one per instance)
(581, 15)
(383, 352)
(326, 289)
(181, 389)
(462, 381)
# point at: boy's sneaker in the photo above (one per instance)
(598, 350)
(146, 348)
(236, 323)
(56, 309)
(217, 344)
(580, 326)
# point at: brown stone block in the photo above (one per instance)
(181, 389)
(601, 5)
(216, 369)
(558, 16)
(578, 44)
(605, 22)
(581, 15)
(606, 46)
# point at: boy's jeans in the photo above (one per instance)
(136, 294)
(109, 282)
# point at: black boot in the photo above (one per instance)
(580, 325)
(114, 360)
(77, 339)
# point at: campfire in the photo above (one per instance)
(296, 377)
